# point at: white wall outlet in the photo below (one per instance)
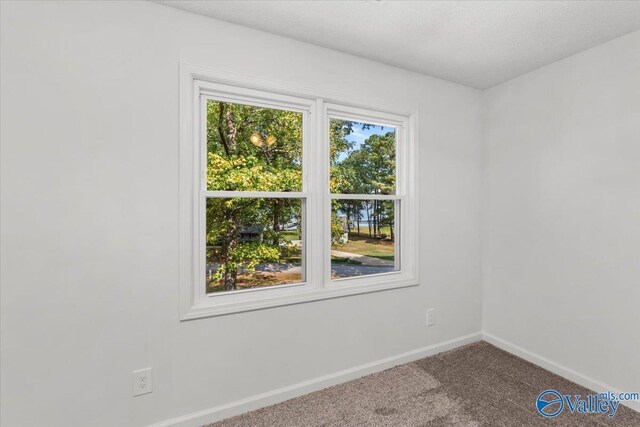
(431, 317)
(142, 381)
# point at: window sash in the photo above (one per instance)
(400, 123)
(203, 244)
(207, 194)
(330, 281)
(236, 95)
(284, 105)
(354, 114)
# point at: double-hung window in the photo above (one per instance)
(286, 197)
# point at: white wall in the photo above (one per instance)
(90, 219)
(561, 240)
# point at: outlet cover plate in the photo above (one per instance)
(431, 317)
(142, 381)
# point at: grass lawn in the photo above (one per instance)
(364, 230)
(363, 245)
(287, 236)
(338, 260)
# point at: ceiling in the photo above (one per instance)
(475, 43)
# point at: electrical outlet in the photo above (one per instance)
(142, 381)
(431, 317)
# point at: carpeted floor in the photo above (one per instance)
(475, 385)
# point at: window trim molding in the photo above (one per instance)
(318, 285)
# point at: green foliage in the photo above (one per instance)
(337, 228)
(249, 174)
(234, 163)
(369, 169)
(288, 250)
(247, 256)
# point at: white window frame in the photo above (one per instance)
(197, 85)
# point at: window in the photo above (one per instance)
(286, 199)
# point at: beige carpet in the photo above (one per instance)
(475, 385)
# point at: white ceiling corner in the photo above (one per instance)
(475, 43)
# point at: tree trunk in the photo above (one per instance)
(221, 134)
(348, 212)
(376, 226)
(276, 222)
(229, 243)
(228, 132)
(232, 130)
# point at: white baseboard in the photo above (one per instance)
(221, 412)
(557, 369)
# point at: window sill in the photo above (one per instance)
(207, 306)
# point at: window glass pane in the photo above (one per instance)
(362, 157)
(252, 148)
(253, 243)
(363, 237)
